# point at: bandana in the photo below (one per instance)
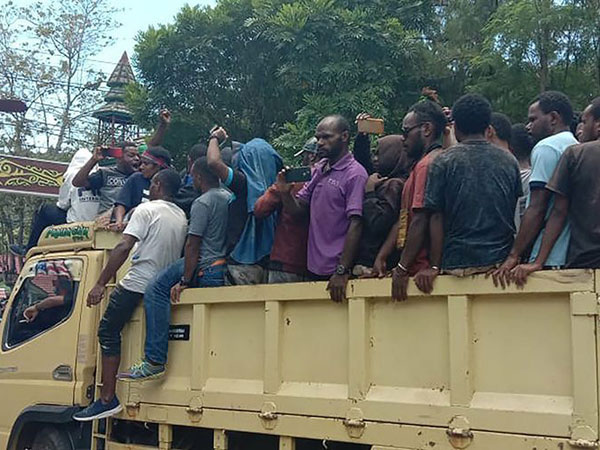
(156, 160)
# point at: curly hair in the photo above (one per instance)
(501, 124)
(556, 101)
(430, 111)
(472, 114)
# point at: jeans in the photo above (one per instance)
(121, 305)
(244, 274)
(281, 277)
(157, 304)
(46, 215)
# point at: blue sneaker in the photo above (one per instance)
(142, 372)
(99, 410)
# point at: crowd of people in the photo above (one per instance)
(459, 191)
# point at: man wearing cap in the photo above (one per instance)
(287, 262)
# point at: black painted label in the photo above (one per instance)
(179, 332)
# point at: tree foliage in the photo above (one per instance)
(273, 68)
(44, 52)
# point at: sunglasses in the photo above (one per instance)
(406, 131)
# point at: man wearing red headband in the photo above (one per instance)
(136, 189)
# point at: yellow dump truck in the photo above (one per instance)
(283, 367)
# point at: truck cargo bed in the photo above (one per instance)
(469, 364)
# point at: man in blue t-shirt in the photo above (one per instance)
(549, 120)
(136, 189)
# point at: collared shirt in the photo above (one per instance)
(335, 194)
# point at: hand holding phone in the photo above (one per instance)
(370, 125)
(298, 175)
(112, 152)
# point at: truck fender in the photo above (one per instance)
(47, 414)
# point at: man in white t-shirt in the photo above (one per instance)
(156, 232)
(73, 205)
(80, 203)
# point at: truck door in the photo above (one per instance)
(39, 333)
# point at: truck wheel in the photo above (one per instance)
(50, 438)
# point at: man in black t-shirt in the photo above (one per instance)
(108, 181)
(472, 190)
(577, 187)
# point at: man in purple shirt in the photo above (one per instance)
(334, 199)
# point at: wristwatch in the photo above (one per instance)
(341, 269)
(402, 268)
(183, 282)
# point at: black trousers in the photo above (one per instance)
(121, 305)
(46, 215)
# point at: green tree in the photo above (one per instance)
(208, 68)
(44, 52)
(71, 31)
(271, 68)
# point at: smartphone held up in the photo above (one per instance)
(112, 152)
(298, 174)
(370, 125)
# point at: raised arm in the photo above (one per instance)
(362, 152)
(267, 203)
(81, 179)
(213, 155)
(164, 120)
(292, 204)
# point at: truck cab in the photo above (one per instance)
(47, 365)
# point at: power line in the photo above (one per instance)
(62, 83)
(41, 127)
(113, 64)
(40, 109)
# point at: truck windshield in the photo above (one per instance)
(45, 299)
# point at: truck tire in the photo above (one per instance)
(51, 438)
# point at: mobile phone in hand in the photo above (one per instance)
(370, 126)
(112, 152)
(298, 175)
